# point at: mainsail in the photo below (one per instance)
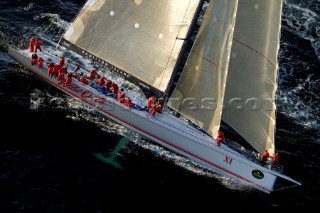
(251, 82)
(200, 91)
(135, 38)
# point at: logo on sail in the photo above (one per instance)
(257, 174)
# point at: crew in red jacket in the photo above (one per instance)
(61, 62)
(150, 102)
(92, 74)
(275, 160)
(38, 45)
(33, 59)
(40, 62)
(84, 80)
(108, 85)
(101, 81)
(69, 79)
(115, 88)
(128, 102)
(155, 108)
(265, 157)
(121, 96)
(31, 44)
(55, 70)
(61, 72)
(220, 137)
(50, 69)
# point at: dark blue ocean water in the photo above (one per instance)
(51, 144)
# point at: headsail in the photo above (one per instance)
(200, 91)
(139, 38)
(251, 81)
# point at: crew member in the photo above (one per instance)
(150, 103)
(121, 96)
(275, 160)
(108, 85)
(128, 102)
(155, 108)
(40, 62)
(68, 79)
(33, 59)
(220, 137)
(31, 44)
(61, 72)
(38, 45)
(84, 80)
(265, 157)
(101, 81)
(56, 69)
(50, 69)
(92, 74)
(61, 62)
(115, 89)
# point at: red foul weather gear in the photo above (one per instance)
(33, 59)
(155, 109)
(40, 62)
(265, 156)
(92, 75)
(38, 46)
(108, 85)
(69, 79)
(115, 88)
(61, 62)
(31, 44)
(150, 102)
(128, 102)
(121, 97)
(101, 81)
(84, 81)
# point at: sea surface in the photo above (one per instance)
(56, 155)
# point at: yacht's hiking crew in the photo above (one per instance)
(150, 102)
(220, 137)
(50, 69)
(61, 62)
(128, 102)
(33, 59)
(108, 85)
(275, 160)
(265, 157)
(55, 71)
(121, 96)
(115, 89)
(61, 72)
(101, 81)
(40, 62)
(155, 108)
(92, 75)
(38, 45)
(31, 44)
(84, 80)
(68, 79)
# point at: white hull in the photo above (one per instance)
(181, 138)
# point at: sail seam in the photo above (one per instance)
(208, 60)
(256, 51)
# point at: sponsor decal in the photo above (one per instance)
(257, 174)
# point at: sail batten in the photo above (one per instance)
(138, 37)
